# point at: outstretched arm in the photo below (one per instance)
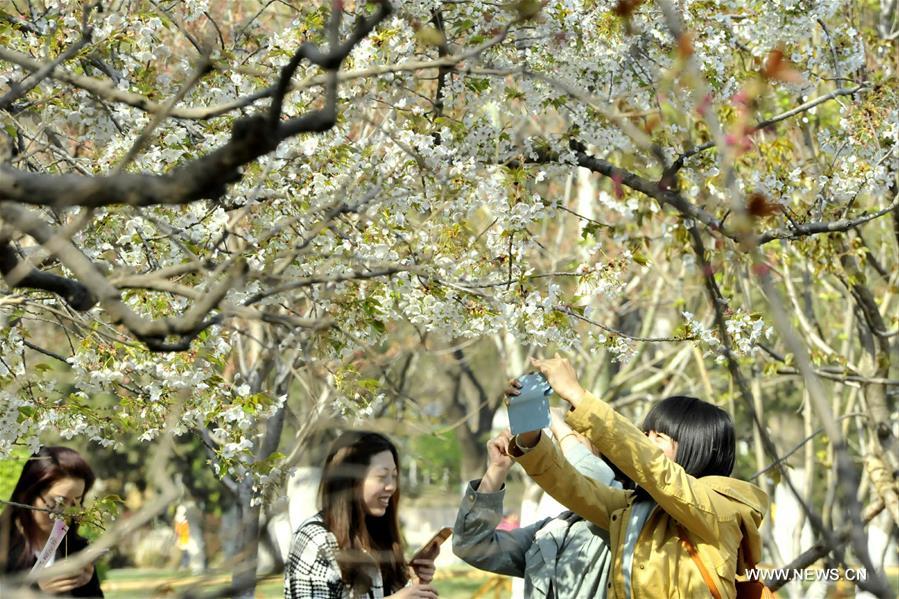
(475, 538)
(684, 497)
(581, 494)
(477, 541)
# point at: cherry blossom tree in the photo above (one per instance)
(205, 206)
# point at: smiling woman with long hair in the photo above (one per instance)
(353, 547)
(54, 478)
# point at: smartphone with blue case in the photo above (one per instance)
(529, 411)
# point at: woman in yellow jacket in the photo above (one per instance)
(681, 463)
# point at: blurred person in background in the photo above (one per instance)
(52, 480)
(353, 548)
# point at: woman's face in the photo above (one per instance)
(380, 483)
(64, 493)
(664, 442)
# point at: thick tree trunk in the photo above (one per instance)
(478, 413)
(243, 579)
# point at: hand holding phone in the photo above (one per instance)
(529, 410)
(431, 549)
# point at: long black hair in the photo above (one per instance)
(21, 537)
(706, 444)
(361, 537)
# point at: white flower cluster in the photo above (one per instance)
(452, 195)
(604, 279)
(705, 338)
(13, 427)
(746, 331)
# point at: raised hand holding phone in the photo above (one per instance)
(561, 375)
(529, 408)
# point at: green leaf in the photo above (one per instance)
(589, 229)
(371, 385)
(477, 84)
(430, 36)
(640, 258)
(528, 9)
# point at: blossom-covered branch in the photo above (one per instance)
(20, 274)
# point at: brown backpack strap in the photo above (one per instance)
(744, 547)
(694, 554)
(751, 565)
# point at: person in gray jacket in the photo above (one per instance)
(564, 557)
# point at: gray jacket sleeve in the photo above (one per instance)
(479, 544)
(590, 465)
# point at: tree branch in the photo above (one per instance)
(108, 91)
(820, 549)
(847, 484)
(663, 195)
(836, 226)
(202, 68)
(330, 60)
(44, 351)
(311, 280)
(17, 90)
(782, 459)
(204, 178)
(716, 298)
(649, 188)
(569, 312)
(152, 332)
(74, 293)
(679, 162)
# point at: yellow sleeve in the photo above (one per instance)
(685, 498)
(581, 494)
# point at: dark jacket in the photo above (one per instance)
(71, 544)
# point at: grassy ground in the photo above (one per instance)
(451, 584)
(132, 583)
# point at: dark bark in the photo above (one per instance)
(244, 577)
(474, 453)
(474, 430)
(74, 293)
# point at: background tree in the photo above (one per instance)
(218, 218)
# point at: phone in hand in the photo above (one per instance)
(529, 410)
(430, 549)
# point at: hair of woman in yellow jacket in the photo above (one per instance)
(695, 434)
(703, 433)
